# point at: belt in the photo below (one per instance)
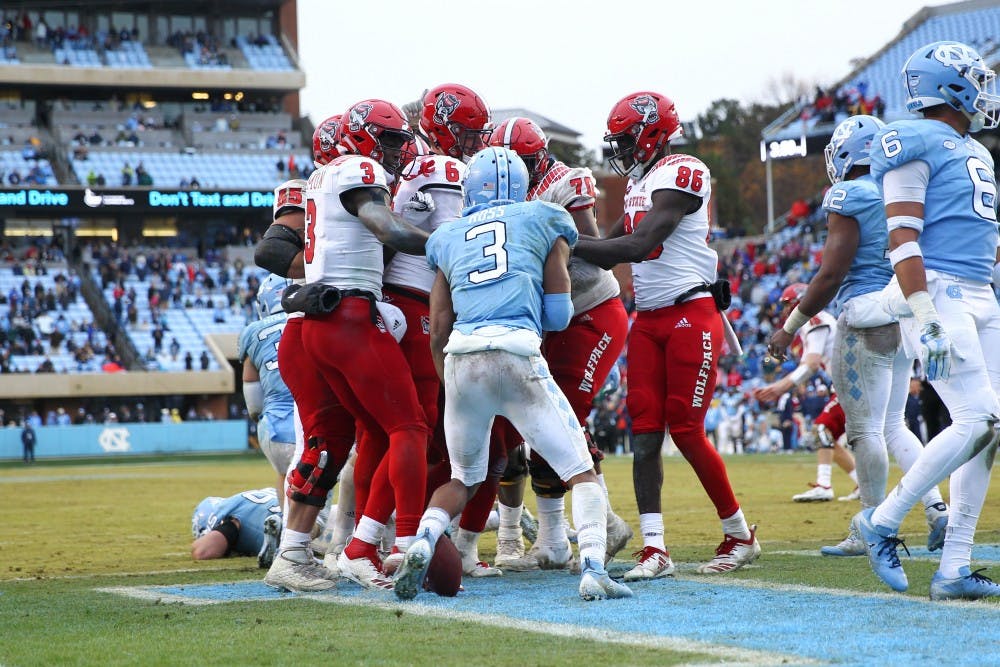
(409, 293)
(697, 289)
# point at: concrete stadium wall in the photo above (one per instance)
(161, 77)
(118, 439)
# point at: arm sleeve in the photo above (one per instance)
(557, 311)
(815, 341)
(908, 182)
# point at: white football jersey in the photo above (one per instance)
(574, 189)
(816, 337)
(289, 195)
(339, 249)
(684, 259)
(442, 176)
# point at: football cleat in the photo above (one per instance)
(529, 525)
(363, 571)
(653, 564)
(619, 533)
(817, 494)
(509, 551)
(570, 530)
(294, 570)
(409, 578)
(937, 526)
(967, 586)
(852, 545)
(543, 557)
(733, 554)
(595, 584)
(272, 538)
(473, 567)
(881, 550)
(853, 495)
(330, 563)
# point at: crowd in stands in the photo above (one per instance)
(154, 409)
(202, 45)
(832, 106)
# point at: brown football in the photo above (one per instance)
(444, 574)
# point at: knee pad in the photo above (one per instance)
(316, 473)
(544, 480)
(517, 466)
(825, 438)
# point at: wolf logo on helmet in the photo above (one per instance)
(445, 106)
(646, 106)
(358, 116)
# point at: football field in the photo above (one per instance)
(95, 568)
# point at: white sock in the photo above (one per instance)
(492, 521)
(736, 525)
(369, 530)
(604, 487)
(967, 490)
(551, 529)
(824, 473)
(293, 539)
(467, 543)
(510, 522)
(435, 520)
(854, 476)
(590, 520)
(651, 526)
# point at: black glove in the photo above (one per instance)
(312, 299)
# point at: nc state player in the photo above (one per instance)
(816, 339)
(454, 120)
(675, 340)
(580, 356)
(348, 220)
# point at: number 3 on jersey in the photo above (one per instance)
(495, 250)
(310, 241)
(630, 226)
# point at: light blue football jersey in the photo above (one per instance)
(960, 218)
(250, 508)
(259, 341)
(494, 257)
(870, 271)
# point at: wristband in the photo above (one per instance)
(794, 322)
(923, 308)
(905, 251)
(905, 222)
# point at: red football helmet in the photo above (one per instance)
(639, 125)
(455, 120)
(792, 294)
(376, 129)
(525, 138)
(325, 147)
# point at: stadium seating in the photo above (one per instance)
(128, 55)
(267, 56)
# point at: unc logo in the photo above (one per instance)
(949, 144)
(954, 292)
(114, 439)
(646, 106)
(956, 55)
(358, 115)
(444, 107)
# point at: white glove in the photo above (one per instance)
(936, 351)
(419, 207)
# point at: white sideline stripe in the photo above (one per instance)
(816, 553)
(727, 653)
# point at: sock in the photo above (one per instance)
(651, 526)
(492, 521)
(293, 539)
(736, 525)
(824, 473)
(433, 523)
(403, 543)
(551, 529)
(604, 487)
(854, 476)
(590, 520)
(510, 522)
(366, 536)
(467, 543)
(967, 490)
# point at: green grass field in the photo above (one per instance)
(75, 527)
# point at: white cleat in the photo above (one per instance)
(653, 564)
(410, 576)
(595, 584)
(542, 557)
(817, 494)
(619, 533)
(853, 495)
(330, 563)
(509, 551)
(475, 568)
(733, 554)
(272, 538)
(363, 571)
(294, 570)
(852, 545)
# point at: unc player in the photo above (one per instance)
(268, 400)
(501, 280)
(675, 342)
(939, 190)
(870, 369)
(247, 524)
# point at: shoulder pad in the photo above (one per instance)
(573, 188)
(680, 172)
(288, 196)
(896, 144)
(354, 171)
(850, 198)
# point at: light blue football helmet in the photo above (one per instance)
(953, 73)
(495, 175)
(204, 515)
(269, 294)
(849, 145)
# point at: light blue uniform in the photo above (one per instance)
(870, 271)
(250, 508)
(259, 341)
(960, 220)
(493, 258)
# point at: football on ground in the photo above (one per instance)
(444, 574)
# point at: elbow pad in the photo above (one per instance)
(254, 397)
(277, 249)
(557, 311)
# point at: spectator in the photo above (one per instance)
(28, 442)
(127, 174)
(204, 360)
(175, 349)
(194, 184)
(188, 361)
